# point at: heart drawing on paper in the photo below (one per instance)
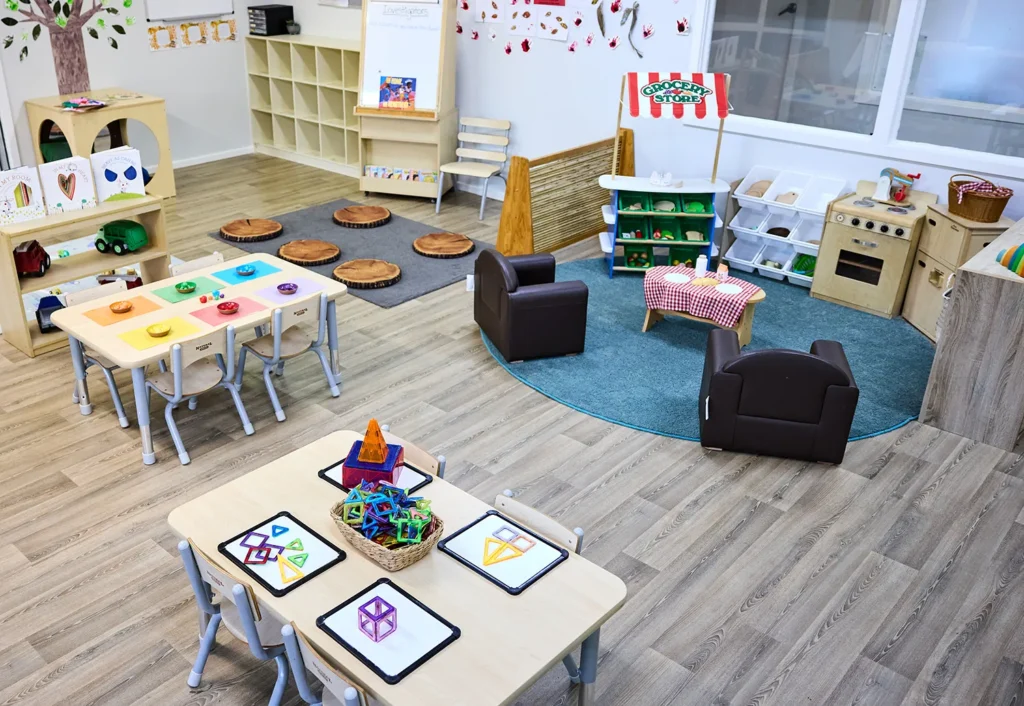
(66, 182)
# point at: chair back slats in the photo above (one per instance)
(206, 345)
(87, 295)
(538, 521)
(198, 264)
(414, 455)
(486, 123)
(483, 138)
(481, 155)
(333, 678)
(305, 310)
(221, 581)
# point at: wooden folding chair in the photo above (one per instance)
(338, 689)
(483, 158)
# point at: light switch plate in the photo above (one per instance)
(469, 283)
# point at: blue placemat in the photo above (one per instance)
(229, 276)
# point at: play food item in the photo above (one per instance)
(705, 281)
(158, 330)
(1012, 259)
(664, 206)
(287, 288)
(203, 299)
(185, 287)
(788, 197)
(779, 231)
(771, 263)
(228, 308)
(694, 207)
(702, 265)
(245, 270)
(758, 188)
(122, 307)
(694, 235)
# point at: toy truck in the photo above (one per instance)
(30, 259)
(121, 237)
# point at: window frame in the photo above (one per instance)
(883, 142)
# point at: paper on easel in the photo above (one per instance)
(21, 197)
(118, 174)
(67, 185)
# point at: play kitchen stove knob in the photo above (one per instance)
(869, 225)
(883, 228)
(855, 221)
(899, 232)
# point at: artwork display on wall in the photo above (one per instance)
(162, 37)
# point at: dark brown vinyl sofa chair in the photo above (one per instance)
(777, 402)
(524, 311)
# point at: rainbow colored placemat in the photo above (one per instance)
(140, 305)
(306, 287)
(204, 285)
(231, 277)
(140, 340)
(210, 314)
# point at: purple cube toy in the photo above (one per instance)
(377, 618)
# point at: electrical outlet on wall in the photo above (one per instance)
(469, 283)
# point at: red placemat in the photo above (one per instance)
(209, 314)
(703, 301)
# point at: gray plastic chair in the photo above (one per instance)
(198, 365)
(237, 610)
(337, 688)
(287, 340)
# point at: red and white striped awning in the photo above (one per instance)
(675, 94)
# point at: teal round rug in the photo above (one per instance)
(651, 381)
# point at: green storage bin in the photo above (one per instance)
(665, 200)
(699, 203)
(633, 227)
(53, 151)
(638, 256)
(629, 199)
(700, 225)
(683, 255)
(667, 227)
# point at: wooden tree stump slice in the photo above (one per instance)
(251, 230)
(362, 216)
(443, 245)
(367, 274)
(309, 252)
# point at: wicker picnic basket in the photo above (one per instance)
(984, 206)
(389, 559)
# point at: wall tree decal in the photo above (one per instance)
(67, 22)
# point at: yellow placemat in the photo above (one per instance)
(105, 317)
(140, 340)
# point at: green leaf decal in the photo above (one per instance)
(112, 42)
(36, 31)
(117, 28)
(23, 54)
(92, 32)
(8, 41)
(9, 21)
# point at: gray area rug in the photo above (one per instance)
(391, 242)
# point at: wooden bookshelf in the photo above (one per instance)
(302, 98)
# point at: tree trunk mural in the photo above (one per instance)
(69, 61)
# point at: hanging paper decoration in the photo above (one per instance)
(648, 30)
(578, 19)
(600, 17)
(458, 27)
(464, 5)
(526, 44)
(474, 35)
(590, 39)
(508, 47)
(551, 25)
(631, 13)
(683, 26)
(572, 48)
(613, 43)
(615, 6)
(489, 11)
(666, 95)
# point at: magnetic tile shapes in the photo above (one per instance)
(298, 559)
(289, 572)
(250, 540)
(496, 551)
(278, 530)
(294, 545)
(257, 555)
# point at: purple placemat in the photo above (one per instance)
(306, 288)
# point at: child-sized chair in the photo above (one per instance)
(480, 134)
(288, 340)
(198, 365)
(416, 456)
(338, 689)
(238, 610)
(91, 358)
(183, 268)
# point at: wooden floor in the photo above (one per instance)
(896, 578)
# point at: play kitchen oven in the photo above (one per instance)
(867, 250)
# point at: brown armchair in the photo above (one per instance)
(524, 312)
(777, 402)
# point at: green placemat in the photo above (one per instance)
(204, 285)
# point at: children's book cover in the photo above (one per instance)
(67, 185)
(21, 197)
(118, 174)
(397, 93)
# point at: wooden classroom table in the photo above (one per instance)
(105, 339)
(507, 641)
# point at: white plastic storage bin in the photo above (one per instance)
(808, 229)
(794, 278)
(746, 222)
(785, 220)
(743, 254)
(754, 175)
(785, 182)
(607, 242)
(782, 254)
(819, 193)
(608, 213)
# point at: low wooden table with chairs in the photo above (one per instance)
(482, 151)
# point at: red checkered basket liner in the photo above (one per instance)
(705, 302)
(986, 187)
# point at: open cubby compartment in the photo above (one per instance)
(304, 63)
(307, 137)
(664, 200)
(775, 252)
(743, 254)
(755, 175)
(667, 228)
(305, 102)
(351, 146)
(282, 99)
(332, 143)
(788, 220)
(262, 128)
(639, 201)
(804, 279)
(638, 256)
(704, 202)
(256, 56)
(328, 67)
(684, 255)
(699, 225)
(284, 133)
(259, 92)
(350, 67)
(279, 55)
(748, 221)
(351, 99)
(332, 106)
(819, 193)
(807, 230)
(633, 228)
(783, 184)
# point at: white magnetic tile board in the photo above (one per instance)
(410, 479)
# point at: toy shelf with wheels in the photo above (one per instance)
(642, 216)
(153, 259)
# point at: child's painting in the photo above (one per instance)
(67, 185)
(118, 174)
(193, 33)
(21, 197)
(223, 30)
(162, 37)
(397, 93)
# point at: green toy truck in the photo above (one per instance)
(121, 237)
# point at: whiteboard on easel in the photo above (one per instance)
(402, 48)
(168, 10)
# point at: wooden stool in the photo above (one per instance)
(367, 274)
(443, 245)
(309, 252)
(250, 230)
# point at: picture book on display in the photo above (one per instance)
(397, 93)
(67, 185)
(118, 174)
(21, 197)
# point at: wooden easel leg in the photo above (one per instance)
(653, 317)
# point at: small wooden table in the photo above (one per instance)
(507, 641)
(81, 129)
(743, 327)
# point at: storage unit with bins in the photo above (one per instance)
(643, 216)
(947, 241)
(302, 98)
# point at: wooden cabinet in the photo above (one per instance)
(947, 242)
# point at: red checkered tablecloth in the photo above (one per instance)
(703, 301)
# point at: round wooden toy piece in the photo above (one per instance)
(250, 230)
(367, 274)
(309, 252)
(443, 245)
(362, 216)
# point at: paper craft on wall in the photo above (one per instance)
(223, 30)
(118, 174)
(522, 20)
(552, 24)
(489, 11)
(162, 37)
(21, 197)
(67, 185)
(193, 33)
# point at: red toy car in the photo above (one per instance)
(31, 259)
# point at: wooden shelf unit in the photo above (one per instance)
(302, 98)
(153, 260)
